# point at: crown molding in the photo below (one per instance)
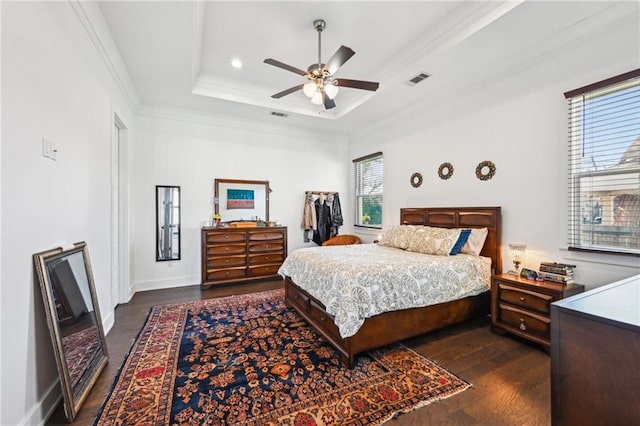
(615, 17)
(233, 122)
(91, 19)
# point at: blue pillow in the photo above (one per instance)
(462, 240)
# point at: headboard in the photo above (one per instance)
(462, 217)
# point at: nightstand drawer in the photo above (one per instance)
(524, 298)
(527, 322)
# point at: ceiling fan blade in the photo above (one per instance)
(287, 92)
(342, 55)
(328, 102)
(357, 84)
(285, 66)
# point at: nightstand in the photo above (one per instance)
(522, 307)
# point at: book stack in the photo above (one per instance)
(556, 272)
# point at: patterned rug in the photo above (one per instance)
(252, 360)
(79, 349)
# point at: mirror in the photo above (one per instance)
(237, 200)
(167, 223)
(75, 325)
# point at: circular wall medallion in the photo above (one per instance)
(485, 170)
(445, 171)
(416, 179)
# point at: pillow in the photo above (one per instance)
(430, 240)
(475, 242)
(397, 236)
(462, 239)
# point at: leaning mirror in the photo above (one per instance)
(73, 316)
(241, 200)
(167, 223)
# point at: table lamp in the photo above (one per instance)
(517, 254)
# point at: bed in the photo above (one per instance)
(399, 324)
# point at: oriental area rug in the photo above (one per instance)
(251, 360)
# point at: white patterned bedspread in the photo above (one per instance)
(355, 282)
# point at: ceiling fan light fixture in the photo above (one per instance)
(317, 98)
(331, 90)
(309, 89)
(321, 85)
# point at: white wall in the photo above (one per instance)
(53, 87)
(519, 123)
(192, 153)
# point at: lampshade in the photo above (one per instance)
(309, 89)
(317, 98)
(517, 255)
(517, 251)
(331, 90)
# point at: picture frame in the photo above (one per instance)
(241, 200)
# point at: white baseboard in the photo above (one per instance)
(164, 284)
(108, 322)
(43, 409)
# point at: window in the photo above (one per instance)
(604, 165)
(368, 180)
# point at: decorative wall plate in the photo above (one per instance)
(485, 170)
(416, 180)
(445, 171)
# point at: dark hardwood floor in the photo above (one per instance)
(510, 377)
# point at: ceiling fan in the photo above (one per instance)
(322, 87)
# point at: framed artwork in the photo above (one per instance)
(238, 200)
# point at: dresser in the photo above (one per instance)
(523, 307)
(234, 255)
(595, 356)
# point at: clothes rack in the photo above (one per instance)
(322, 215)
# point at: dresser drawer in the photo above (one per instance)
(226, 274)
(324, 320)
(266, 258)
(527, 322)
(265, 235)
(225, 262)
(225, 237)
(217, 250)
(263, 270)
(275, 245)
(527, 299)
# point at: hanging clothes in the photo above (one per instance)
(336, 211)
(323, 215)
(309, 218)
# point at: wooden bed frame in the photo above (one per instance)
(391, 327)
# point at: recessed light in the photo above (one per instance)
(236, 63)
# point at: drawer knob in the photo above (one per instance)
(266, 258)
(227, 273)
(523, 326)
(226, 261)
(226, 236)
(322, 318)
(522, 299)
(226, 249)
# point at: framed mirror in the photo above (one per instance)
(237, 200)
(73, 316)
(167, 223)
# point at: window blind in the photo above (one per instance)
(368, 190)
(604, 165)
